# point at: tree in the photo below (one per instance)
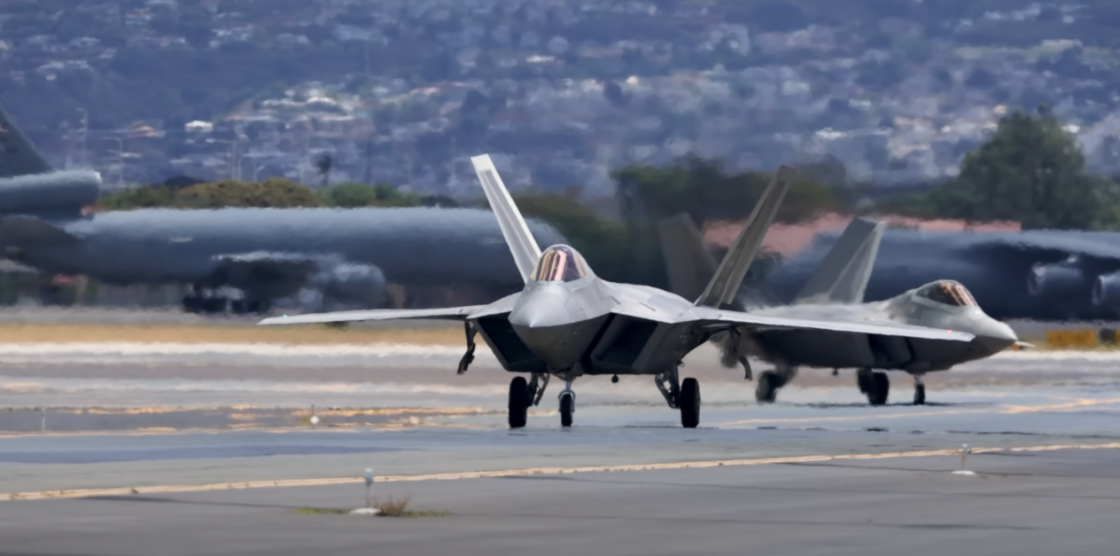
(353, 195)
(704, 190)
(273, 193)
(1031, 171)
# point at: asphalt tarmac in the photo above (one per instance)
(175, 449)
(1018, 503)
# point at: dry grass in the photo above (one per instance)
(398, 507)
(320, 511)
(292, 335)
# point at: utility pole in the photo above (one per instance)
(85, 132)
(120, 160)
(369, 156)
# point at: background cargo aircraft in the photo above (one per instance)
(1037, 275)
(326, 257)
(568, 322)
(836, 290)
(30, 185)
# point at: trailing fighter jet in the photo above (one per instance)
(836, 291)
(568, 322)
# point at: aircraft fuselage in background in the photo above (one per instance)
(342, 256)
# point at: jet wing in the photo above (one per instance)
(716, 316)
(449, 313)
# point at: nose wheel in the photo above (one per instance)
(567, 407)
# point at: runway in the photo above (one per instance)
(189, 426)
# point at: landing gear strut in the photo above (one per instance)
(875, 385)
(469, 356)
(683, 396)
(770, 381)
(736, 337)
(919, 391)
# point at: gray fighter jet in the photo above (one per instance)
(568, 322)
(836, 291)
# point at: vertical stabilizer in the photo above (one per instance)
(689, 265)
(18, 157)
(724, 287)
(520, 240)
(843, 273)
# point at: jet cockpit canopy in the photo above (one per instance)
(947, 292)
(560, 263)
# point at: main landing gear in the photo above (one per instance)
(876, 386)
(684, 396)
(213, 304)
(681, 395)
(523, 395)
(919, 391)
(769, 382)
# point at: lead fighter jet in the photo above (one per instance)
(568, 322)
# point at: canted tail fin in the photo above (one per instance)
(724, 286)
(689, 265)
(525, 250)
(18, 157)
(844, 272)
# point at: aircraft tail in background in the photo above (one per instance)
(723, 289)
(689, 265)
(18, 157)
(843, 274)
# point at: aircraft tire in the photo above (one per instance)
(518, 403)
(567, 407)
(767, 389)
(920, 394)
(690, 403)
(881, 387)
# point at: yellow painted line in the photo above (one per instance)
(165, 489)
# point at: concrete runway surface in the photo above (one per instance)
(149, 445)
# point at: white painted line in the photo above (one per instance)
(165, 489)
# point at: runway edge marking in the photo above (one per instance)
(165, 489)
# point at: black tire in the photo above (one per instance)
(881, 387)
(767, 389)
(920, 394)
(866, 382)
(518, 402)
(689, 403)
(567, 405)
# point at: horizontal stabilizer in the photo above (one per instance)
(724, 287)
(29, 230)
(449, 313)
(525, 250)
(689, 265)
(843, 274)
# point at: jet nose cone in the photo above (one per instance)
(996, 336)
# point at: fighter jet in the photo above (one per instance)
(836, 291)
(567, 322)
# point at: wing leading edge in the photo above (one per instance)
(883, 329)
(448, 313)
